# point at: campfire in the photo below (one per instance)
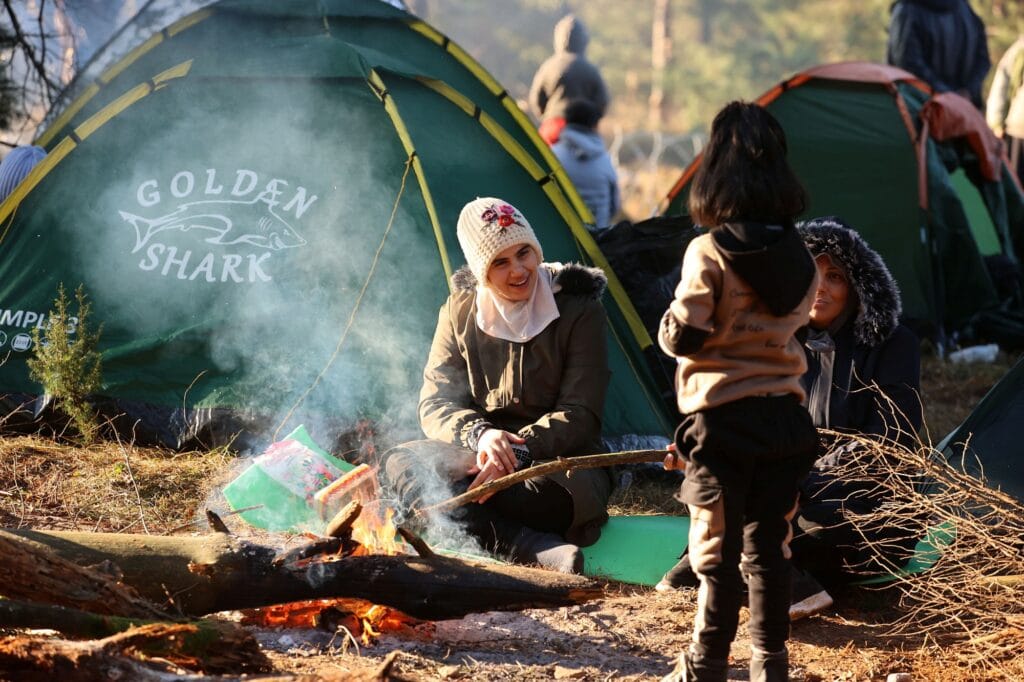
(352, 505)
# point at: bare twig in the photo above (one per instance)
(563, 464)
(216, 524)
(416, 542)
(973, 595)
(192, 524)
(135, 486)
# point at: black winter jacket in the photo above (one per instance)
(942, 42)
(876, 373)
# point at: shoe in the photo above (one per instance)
(678, 577)
(808, 598)
(769, 667)
(692, 667)
(548, 550)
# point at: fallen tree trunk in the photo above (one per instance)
(34, 573)
(217, 572)
(215, 647)
(41, 659)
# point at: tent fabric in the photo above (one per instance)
(855, 134)
(987, 442)
(262, 212)
(950, 116)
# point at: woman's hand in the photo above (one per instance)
(494, 458)
(673, 460)
(495, 448)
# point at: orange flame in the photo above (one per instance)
(361, 618)
(377, 535)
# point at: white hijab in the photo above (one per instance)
(517, 321)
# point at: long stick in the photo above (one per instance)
(561, 464)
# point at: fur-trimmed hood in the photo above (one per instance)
(878, 296)
(569, 278)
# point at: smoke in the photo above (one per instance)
(250, 243)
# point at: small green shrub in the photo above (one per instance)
(65, 361)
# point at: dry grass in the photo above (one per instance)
(102, 487)
(949, 391)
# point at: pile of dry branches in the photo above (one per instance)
(969, 607)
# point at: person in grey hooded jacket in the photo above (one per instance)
(564, 77)
(941, 41)
(581, 151)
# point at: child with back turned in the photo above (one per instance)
(746, 441)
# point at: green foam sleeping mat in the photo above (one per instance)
(637, 549)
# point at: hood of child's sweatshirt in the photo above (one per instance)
(772, 259)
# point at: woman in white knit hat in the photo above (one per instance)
(517, 373)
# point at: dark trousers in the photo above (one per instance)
(745, 460)
(425, 472)
(828, 544)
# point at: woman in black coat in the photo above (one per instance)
(863, 378)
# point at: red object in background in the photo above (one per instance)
(551, 129)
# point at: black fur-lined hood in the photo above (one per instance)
(569, 278)
(878, 296)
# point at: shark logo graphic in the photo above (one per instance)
(250, 222)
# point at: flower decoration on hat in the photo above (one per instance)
(504, 215)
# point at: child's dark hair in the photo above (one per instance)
(744, 174)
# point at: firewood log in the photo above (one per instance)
(218, 572)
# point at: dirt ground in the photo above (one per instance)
(631, 633)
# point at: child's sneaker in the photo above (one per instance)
(809, 597)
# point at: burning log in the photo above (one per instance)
(219, 572)
(358, 617)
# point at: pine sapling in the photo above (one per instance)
(65, 361)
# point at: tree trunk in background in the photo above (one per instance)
(661, 54)
(707, 10)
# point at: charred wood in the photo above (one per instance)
(218, 572)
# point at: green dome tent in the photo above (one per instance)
(987, 441)
(260, 202)
(918, 176)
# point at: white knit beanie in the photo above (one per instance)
(488, 226)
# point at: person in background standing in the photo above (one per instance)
(1004, 110)
(564, 77)
(581, 151)
(941, 41)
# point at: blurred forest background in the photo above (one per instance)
(670, 64)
